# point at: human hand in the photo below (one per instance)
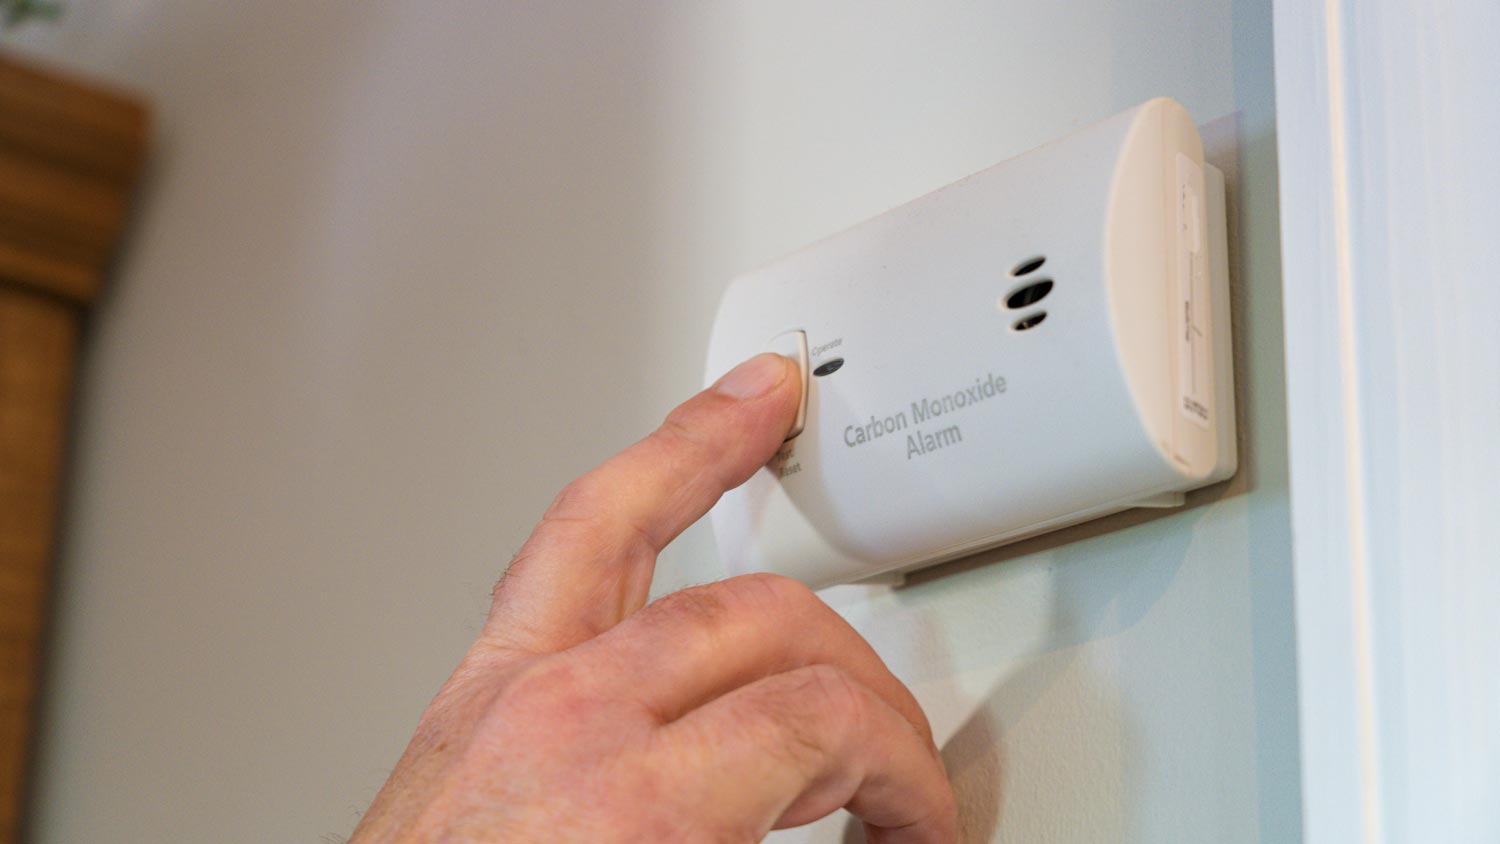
(714, 714)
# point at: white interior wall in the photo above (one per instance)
(401, 271)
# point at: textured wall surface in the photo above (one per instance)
(403, 270)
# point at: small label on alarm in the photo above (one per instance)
(1190, 312)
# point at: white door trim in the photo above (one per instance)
(1339, 754)
(1387, 120)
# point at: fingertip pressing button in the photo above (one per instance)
(793, 344)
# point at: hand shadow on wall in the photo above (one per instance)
(1075, 787)
(1055, 713)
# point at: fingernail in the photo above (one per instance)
(754, 377)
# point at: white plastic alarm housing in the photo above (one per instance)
(1041, 343)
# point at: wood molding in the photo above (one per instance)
(70, 155)
(38, 337)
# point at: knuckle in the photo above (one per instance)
(556, 531)
(585, 515)
(770, 594)
(547, 535)
(814, 713)
(571, 500)
(680, 429)
(836, 695)
(769, 607)
(546, 684)
(583, 533)
(698, 606)
(517, 565)
(691, 437)
(754, 599)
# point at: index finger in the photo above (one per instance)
(588, 564)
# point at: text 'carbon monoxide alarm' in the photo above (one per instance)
(1044, 342)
